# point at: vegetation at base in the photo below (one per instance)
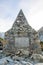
(41, 45)
(1, 39)
(41, 42)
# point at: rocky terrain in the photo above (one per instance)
(35, 59)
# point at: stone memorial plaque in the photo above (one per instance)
(21, 42)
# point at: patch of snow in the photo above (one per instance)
(9, 61)
(39, 64)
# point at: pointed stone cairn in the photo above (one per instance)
(21, 29)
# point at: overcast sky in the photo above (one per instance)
(9, 9)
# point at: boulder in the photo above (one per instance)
(25, 52)
(37, 57)
(22, 52)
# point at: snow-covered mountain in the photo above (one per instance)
(40, 32)
(1, 34)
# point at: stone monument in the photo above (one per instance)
(21, 35)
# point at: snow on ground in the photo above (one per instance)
(39, 64)
(9, 61)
